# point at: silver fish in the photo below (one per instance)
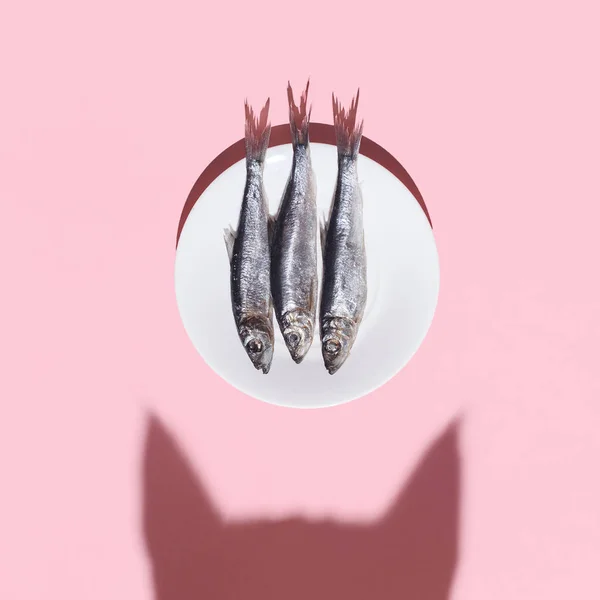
(294, 255)
(248, 250)
(342, 238)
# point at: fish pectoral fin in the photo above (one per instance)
(323, 226)
(229, 235)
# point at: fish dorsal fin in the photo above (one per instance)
(229, 235)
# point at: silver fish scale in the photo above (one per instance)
(250, 263)
(345, 264)
(294, 250)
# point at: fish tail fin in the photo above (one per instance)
(258, 132)
(299, 116)
(347, 133)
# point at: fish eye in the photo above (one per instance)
(293, 338)
(332, 347)
(255, 346)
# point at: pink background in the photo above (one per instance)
(129, 470)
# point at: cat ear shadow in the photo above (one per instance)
(176, 507)
(433, 486)
(421, 528)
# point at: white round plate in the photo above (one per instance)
(403, 283)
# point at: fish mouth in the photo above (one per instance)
(263, 365)
(298, 358)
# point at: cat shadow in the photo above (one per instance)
(411, 553)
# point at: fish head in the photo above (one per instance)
(337, 337)
(257, 336)
(298, 327)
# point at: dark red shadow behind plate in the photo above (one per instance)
(280, 134)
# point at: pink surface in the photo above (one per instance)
(129, 470)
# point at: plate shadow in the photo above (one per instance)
(280, 135)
